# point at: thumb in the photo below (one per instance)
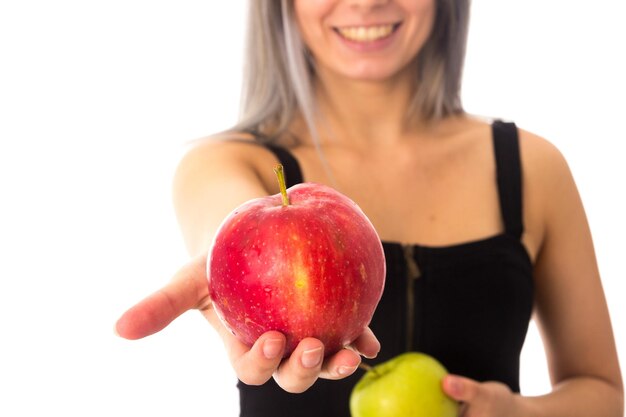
(187, 290)
(460, 388)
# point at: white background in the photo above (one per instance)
(97, 100)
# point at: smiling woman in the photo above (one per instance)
(99, 100)
(480, 220)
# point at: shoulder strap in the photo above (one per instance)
(291, 167)
(509, 176)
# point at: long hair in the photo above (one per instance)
(278, 76)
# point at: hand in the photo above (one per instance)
(253, 365)
(488, 399)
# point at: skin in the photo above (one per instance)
(448, 167)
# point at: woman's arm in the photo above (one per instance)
(571, 310)
(211, 180)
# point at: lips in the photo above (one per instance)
(367, 34)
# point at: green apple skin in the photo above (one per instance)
(408, 385)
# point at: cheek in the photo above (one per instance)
(421, 12)
(310, 15)
(417, 6)
(422, 22)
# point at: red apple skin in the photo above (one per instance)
(313, 268)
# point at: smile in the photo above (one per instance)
(367, 33)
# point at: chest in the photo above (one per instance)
(433, 196)
(469, 307)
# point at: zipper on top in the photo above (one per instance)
(412, 274)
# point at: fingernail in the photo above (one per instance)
(370, 356)
(346, 370)
(454, 385)
(312, 358)
(272, 348)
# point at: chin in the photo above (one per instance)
(373, 75)
(374, 70)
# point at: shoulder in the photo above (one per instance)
(215, 175)
(225, 156)
(542, 161)
(223, 148)
(550, 192)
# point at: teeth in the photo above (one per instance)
(366, 34)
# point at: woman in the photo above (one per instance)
(481, 222)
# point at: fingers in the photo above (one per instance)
(305, 365)
(256, 365)
(340, 365)
(187, 290)
(460, 388)
(480, 399)
(298, 372)
(367, 344)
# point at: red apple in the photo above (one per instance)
(306, 262)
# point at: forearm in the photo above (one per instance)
(576, 397)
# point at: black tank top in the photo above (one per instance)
(468, 305)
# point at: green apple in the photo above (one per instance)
(408, 385)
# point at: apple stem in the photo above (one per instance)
(280, 174)
(365, 367)
(368, 368)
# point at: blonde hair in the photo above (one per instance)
(278, 75)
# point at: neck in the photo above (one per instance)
(365, 112)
